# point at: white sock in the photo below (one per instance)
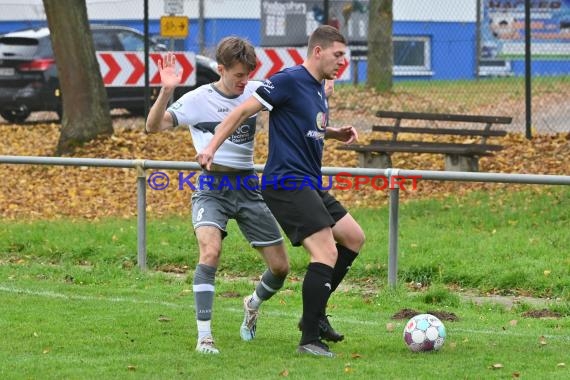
(204, 329)
(254, 301)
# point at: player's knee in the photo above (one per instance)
(360, 239)
(327, 257)
(277, 260)
(210, 256)
(356, 239)
(280, 269)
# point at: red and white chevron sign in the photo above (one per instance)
(126, 69)
(272, 60)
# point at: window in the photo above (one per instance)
(131, 41)
(104, 41)
(495, 68)
(20, 47)
(412, 55)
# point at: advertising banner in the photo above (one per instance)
(503, 29)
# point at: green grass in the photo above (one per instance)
(75, 306)
(460, 94)
(461, 241)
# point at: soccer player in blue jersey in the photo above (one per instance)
(201, 110)
(298, 125)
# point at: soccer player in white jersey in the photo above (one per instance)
(232, 189)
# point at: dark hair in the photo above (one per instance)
(232, 50)
(324, 36)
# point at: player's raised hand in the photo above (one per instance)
(170, 75)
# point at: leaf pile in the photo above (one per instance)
(47, 192)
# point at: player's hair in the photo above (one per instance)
(324, 36)
(232, 50)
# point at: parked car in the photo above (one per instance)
(29, 80)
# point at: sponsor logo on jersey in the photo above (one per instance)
(316, 135)
(243, 134)
(268, 86)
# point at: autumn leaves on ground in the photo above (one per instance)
(40, 192)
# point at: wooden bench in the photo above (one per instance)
(458, 156)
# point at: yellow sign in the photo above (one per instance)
(174, 26)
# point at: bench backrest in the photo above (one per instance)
(445, 117)
(484, 133)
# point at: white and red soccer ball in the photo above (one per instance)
(424, 332)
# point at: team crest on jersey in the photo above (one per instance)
(321, 121)
(176, 105)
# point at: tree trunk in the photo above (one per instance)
(85, 108)
(380, 48)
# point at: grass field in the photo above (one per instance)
(75, 305)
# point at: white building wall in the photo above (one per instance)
(404, 10)
(435, 10)
(23, 10)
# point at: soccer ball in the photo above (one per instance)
(424, 332)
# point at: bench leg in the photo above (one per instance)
(374, 160)
(458, 163)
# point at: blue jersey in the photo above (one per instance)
(297, 122)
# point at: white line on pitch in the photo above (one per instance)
(352, 321)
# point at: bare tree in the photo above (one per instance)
(85, 108)
(380, 49)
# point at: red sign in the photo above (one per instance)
(272, 60)
(126, 69)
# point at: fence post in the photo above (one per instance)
(141, 214)
(393, 228)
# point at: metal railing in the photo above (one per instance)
(142, 165)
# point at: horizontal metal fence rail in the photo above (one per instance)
(142, 165)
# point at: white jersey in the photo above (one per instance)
(203, 109)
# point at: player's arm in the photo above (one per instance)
(346, 134)
(225, 129)
(158, 119)
(329, 87)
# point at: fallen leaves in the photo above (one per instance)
(52, 192)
